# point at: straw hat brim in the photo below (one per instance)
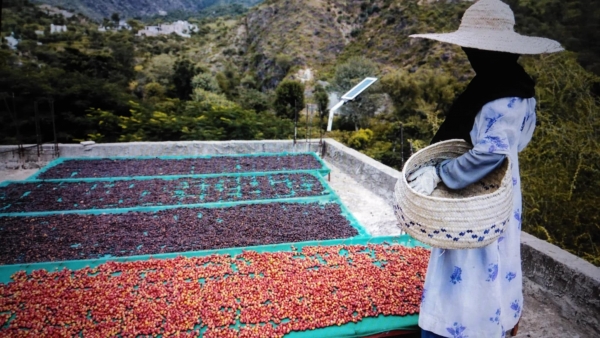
(499, 41)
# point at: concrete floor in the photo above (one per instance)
(372, 211)
(16, 175)
(541, 317)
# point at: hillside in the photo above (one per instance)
(285, 33)
(278, 37)
(98, 10)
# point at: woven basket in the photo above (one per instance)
(471, 217)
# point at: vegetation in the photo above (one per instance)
(561, 166)
(236, 79)
(289, 99)
(115, 86)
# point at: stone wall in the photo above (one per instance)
(566, 280)
(376, 177)
(10, 158)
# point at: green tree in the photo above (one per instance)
(253, 99)
(289, 98)
(207, 82)
(360, 139)
(123, 53)
(115, 18)
(211, 98)
(183, 73)
(284, 62)
(135, 24)
(160, 69)
(229, 80)
(322, 100)
(420, 100)
(154, 92)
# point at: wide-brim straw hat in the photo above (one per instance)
(472, 217)
(489, 25)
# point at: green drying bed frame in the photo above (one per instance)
(185, 190)
(323, 170)
(365, 327)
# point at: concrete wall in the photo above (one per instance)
(376, 177)
(10, 158)
(566, 280)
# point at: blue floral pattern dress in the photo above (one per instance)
(479, 292)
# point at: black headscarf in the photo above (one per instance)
(498, 75)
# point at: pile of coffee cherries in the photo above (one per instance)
(185, 166)
(252, 294)
(73, 236)
(55, 196)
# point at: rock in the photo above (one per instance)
(12, 165)
(32, 165)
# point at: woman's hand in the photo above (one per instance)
(424, 180)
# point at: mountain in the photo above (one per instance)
(283, 35)
(98, 10)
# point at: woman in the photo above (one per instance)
(478, 292)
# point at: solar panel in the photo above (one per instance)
(359, 88)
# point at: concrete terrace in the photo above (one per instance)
(562, 291)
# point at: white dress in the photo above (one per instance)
(479, 292)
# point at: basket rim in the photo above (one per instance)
(500, 190)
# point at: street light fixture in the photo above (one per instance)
(350, 96)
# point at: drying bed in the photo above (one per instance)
(332, 289)
(162, 166)
(34, 196)
(73, 236)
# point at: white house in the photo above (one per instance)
(181, 28)
(57, 28)
(123, 25)
(11, 41)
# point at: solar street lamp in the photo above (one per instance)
(350, 96)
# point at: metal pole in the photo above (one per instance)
(37, 128)
(402, 146)
(312, 115)
(295, 122)
(19, 140)
(51, 101)
(321, 124)
(307, 113)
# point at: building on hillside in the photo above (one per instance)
(11, 41)
(123, 25)
(39, 33)
(57, 28)
(181, 28)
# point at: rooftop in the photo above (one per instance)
(562, 291)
